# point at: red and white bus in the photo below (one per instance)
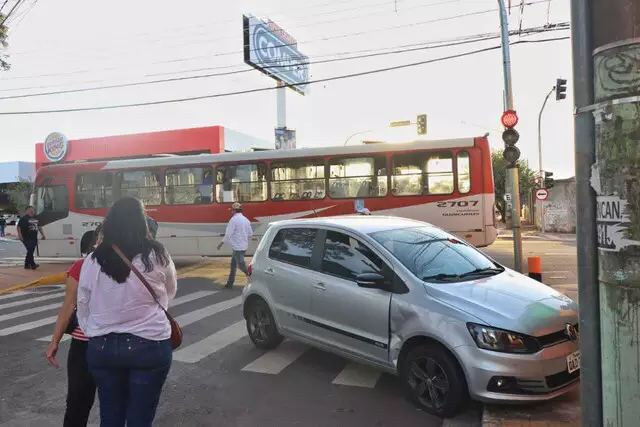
(448, 183)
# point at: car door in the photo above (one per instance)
(349, 317)
(285, 271)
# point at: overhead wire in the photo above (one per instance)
(265, 89)
(268, 67)
(15, 6)
(321, 39)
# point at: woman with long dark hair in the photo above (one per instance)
(129, 334)
(81, 388)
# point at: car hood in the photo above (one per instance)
(510, 301)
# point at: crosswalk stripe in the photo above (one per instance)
(29, 301)
(46, 321)
(357, 375)
(182, 300)
(197, 315)
(29, 311)
(23, 293)
(275, 361)
(199, 350)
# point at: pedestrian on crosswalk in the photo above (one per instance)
(81, 387)
(237, 235)
(28, 229)
(130, 351)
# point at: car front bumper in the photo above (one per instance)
(533, 377)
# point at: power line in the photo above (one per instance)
(3, 5)
(264, 89)
(468, 40)
(322, 39)
(15, 6)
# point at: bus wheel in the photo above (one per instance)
(85, 242)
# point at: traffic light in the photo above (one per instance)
(561, 89)
(548, 180)
(422, 124)
(510, 136)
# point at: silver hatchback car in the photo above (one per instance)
(415, 301)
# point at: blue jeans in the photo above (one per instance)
(237, 261)
(130, 372)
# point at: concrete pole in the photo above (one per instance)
(512, 172)
(281, 105)
(615, 177)
(588, 291)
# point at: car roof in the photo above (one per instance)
(364, 224)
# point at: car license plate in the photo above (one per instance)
(573, 362)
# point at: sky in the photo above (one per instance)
(71, 44)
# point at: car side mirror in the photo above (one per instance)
(371, 281)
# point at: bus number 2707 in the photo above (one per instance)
(458, 204)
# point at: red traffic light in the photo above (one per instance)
(509, 119)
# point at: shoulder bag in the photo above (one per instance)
(176, 332)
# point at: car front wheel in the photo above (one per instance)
(434, 381)
(261, 326)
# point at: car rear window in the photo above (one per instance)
(293, 246)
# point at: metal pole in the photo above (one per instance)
(512, 172)
(587, 242)
(356, 134)
(281, 104)
(540, 173)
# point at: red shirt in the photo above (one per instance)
(74, 272)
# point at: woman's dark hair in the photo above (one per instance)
(89, 240)
(126, 226)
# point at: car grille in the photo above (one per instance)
(554, 338)
(561, 378)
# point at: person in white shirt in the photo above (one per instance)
(129, 352)
(237, 235)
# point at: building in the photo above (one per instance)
(203, 140)
(11, 172)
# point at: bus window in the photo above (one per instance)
(298, 180)
(417, 174)
(439, 173)
(188, 186)
(359, 177)
(241, 183)
(53, 198)
(143, 185)
(94, 190)
(464, 174)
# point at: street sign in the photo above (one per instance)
(507, 197)
(542, 194)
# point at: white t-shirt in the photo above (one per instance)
(105, 306)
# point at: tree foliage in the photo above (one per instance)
(526, 178)
(4, 33)
(19, 193)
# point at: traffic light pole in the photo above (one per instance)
(512, 169)
(540, 173)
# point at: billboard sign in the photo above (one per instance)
(269, 49)
(285, 139)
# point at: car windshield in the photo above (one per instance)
(435, 256)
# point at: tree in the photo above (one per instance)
(526, 176)
(4, 33)
(19, 193)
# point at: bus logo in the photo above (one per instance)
(56, 146)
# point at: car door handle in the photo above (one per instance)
(269, 271)
(320, 287)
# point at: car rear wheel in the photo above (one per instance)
(261, 326)
(434, 381)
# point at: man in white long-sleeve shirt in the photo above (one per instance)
(237, 235)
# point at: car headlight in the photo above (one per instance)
(494, 339)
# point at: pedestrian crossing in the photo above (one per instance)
(213, 327)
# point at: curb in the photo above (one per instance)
(52, 279)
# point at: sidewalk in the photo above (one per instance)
(561, 412)
(16, 277)
(529, 234)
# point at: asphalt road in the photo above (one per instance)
(218, 377)
(11, 249)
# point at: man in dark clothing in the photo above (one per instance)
(3, 224)
(28, 229)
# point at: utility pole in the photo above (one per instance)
(540, 171)
(605, 48)
(510, 149)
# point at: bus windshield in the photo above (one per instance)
(53, 198)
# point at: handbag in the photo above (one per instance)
(176, 331)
